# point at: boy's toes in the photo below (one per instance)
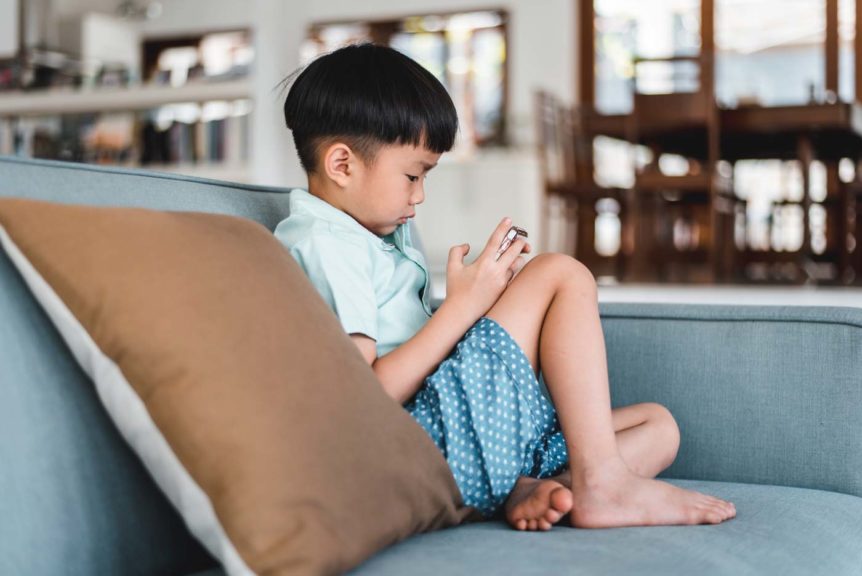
(552, 516)
(536, 503)
(714, 517)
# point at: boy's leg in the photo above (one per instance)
(648, 440)
(551, 310)
(647, 436)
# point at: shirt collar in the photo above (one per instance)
(303, 201)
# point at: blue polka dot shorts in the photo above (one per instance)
(485, 410)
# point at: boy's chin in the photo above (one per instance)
(384, 230)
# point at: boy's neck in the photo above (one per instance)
(325, 193)
(331, 194)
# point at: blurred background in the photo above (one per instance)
(669, 144)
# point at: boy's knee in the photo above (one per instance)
(666, 427)
(566, 270)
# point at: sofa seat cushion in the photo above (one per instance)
(778, 530)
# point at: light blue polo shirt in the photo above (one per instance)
(377, 286)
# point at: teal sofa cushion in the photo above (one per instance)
(778, 530)
(762, 394)
(109, 186)
(74, 499)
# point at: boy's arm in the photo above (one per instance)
(471, 291)
(403, 370)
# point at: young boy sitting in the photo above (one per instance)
(369, 124)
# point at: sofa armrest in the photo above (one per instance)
(765, 395)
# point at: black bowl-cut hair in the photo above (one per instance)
(368, 96)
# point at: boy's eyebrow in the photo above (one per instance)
(426, 166)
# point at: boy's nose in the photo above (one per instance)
(419, 197)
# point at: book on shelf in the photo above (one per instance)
(223, 140)
(128, 139)
(7, 137)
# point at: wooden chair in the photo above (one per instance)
(685, 123)
(565, 154)
(855, 257)
(831, 256)
(852, 258)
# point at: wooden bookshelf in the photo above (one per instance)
(47, 102)
(61, 102)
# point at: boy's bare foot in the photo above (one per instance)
(614, 496)
(537, 504)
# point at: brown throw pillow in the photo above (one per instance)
(234, 383)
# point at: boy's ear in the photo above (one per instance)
(339, 163)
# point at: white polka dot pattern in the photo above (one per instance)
(485, 411)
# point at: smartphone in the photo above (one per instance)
(510, 236)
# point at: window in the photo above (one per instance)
(629, 29)
(465, 51)
(770, 52)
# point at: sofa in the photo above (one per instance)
(768, 400)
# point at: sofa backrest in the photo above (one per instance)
(73, 498)
(762, 394)
(107, 186)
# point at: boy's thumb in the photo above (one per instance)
(457, 253)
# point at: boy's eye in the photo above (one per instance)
(412, 178)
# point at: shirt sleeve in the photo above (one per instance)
(341, 271)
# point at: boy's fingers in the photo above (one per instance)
(457, 254)
(519, 263)
(512, 252)
(497, 237)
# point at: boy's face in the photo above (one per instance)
(384, 194)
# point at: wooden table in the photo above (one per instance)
(761, 132)
(825, 132)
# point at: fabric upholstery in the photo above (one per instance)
(778, 530)
(220, 335)
(73, 183)
(75, 500)
(768, 395)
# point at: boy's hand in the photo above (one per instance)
(477, 286)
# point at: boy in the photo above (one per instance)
(369, 123)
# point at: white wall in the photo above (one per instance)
(178, 16)
(278, 31)
(182, 16)
(108, 38)
(8, 28)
